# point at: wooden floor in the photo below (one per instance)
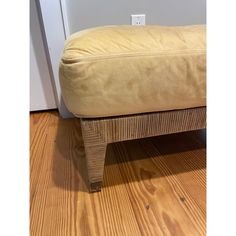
(153, 186)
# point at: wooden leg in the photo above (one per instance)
(95, 157)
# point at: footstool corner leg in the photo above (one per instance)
(95, 158)
(95, 187)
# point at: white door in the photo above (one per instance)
(55, 35)
(41, 90)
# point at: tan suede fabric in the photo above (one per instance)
(119, 70)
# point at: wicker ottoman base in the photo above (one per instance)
(98, 132)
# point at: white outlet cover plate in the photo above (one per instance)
(138, 19)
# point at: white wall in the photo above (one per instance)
(89, 13)
(41, 91)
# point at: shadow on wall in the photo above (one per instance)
(126, 162)
(38, 55)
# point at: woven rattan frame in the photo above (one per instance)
(98, 132)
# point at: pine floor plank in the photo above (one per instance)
(153, 186)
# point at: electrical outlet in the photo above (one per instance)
(138, 19)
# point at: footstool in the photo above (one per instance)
(130, 82)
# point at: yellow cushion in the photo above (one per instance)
(119, 70)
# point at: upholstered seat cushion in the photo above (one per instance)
(119, 70)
